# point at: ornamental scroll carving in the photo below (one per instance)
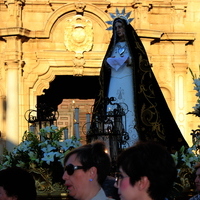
(78, 38)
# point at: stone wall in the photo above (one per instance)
(39, 40)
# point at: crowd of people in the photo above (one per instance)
(146, 171)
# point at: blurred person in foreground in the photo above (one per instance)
(146, 172)
(85, 170)
(17, 184)
(197, 182)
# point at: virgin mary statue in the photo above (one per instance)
(128, 89)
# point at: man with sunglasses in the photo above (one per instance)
(85, 170)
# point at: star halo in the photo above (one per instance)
(122, 15)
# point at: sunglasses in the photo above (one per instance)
(71, 168)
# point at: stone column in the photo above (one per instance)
(180, 112)
(12, 105)
(14, 13)
(2, 122)
(12, 64)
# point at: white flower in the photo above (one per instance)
(34, 156)
(23, 146)
(48, 148)
(187, 160)
(7, 164)
(175, 157)
(69, 143)
(49, 157)
(46, 129)
(49, 129)
(33, 152)
(54, 127)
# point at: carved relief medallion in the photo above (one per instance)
(78, 34)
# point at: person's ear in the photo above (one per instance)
(143, 183)
(93, 172)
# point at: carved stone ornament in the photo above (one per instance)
(80, 7)
(78, 35)
(78, 66)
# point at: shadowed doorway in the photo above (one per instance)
(66, 93)
(69, 87)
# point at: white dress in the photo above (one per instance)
(121, 87)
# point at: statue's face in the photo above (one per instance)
(119, 28)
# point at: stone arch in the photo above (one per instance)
(48, 73)
(43, 82)
(70, 9)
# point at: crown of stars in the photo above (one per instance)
(122, 15)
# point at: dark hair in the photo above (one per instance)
(153, 161)
(18, 183)
(93, 155)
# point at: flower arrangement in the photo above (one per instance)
(42, 154)
(196, 82)
(185, 160)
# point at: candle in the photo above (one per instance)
(73, 104)
(32, 129)
(76, 130)
(87, 122)
(76, 115)
(65, 133)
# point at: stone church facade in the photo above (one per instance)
(40, 40)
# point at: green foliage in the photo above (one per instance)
(43, 150)
(185, 160)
